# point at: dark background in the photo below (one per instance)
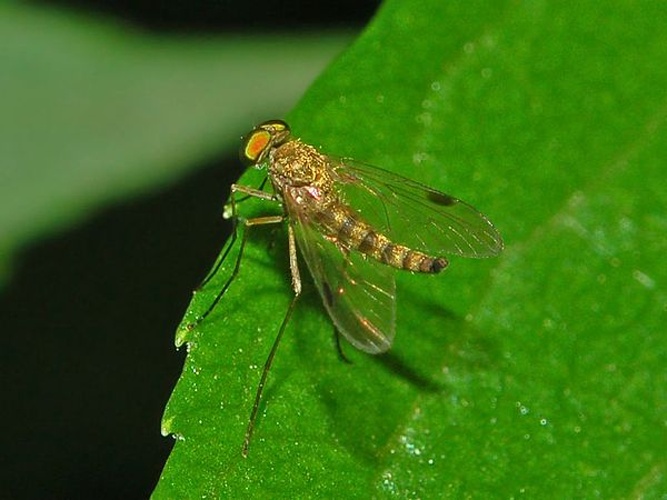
(89, 316)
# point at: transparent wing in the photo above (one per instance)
(413, 214)
(358, 293)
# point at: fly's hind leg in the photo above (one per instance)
(330, 297)
(339, 347)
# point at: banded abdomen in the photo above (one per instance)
(346, 228)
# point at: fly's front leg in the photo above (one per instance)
(247, 224)
(243, 198)
(230, 212)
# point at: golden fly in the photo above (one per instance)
(353, 224)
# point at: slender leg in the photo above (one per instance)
(339, 348)
(260, 188)
(248, 223)
(233, 202)
(216, 268)
(296, 286)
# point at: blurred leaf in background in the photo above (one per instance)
(94, 111)
(541, 373)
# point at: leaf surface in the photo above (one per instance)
(541, 372)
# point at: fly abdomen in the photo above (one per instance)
(355, 234)
(402, 257)
(420, 262)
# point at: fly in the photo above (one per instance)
(354, 224)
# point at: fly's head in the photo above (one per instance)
(263, 139)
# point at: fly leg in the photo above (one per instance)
(339, 347)
(247, 224)
(229, 212)
(296, 286)
(330, 299)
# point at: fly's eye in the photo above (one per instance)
(259, 142)
(255, 146)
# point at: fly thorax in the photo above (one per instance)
(295, 164)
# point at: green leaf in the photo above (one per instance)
(91, 112)
(541, 372)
